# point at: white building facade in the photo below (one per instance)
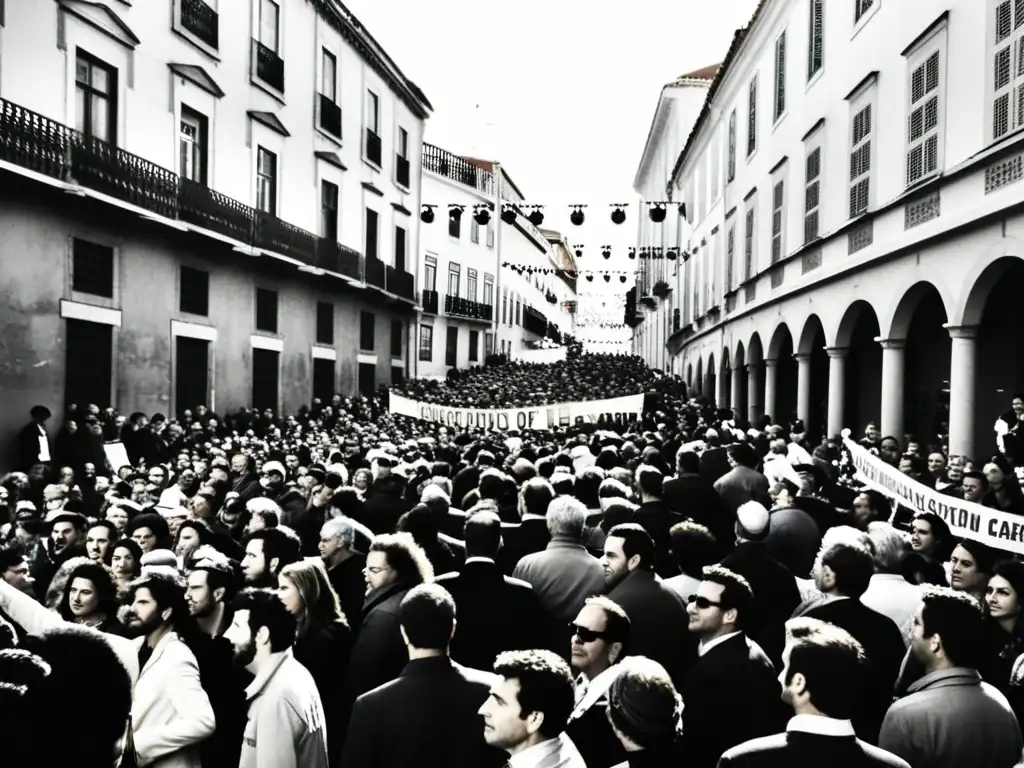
(853, 219)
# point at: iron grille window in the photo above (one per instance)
(266, 310)
(860, 162)
(816, 38)
(324, 322)
(92, 268)
(194, 296)
(923, 122)
(367, 321)
(812, 195)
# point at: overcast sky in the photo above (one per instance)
(561, 92)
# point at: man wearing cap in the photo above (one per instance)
(33, 440)
(66, 540)
(289, 499)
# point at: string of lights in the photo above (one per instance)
(657, 212)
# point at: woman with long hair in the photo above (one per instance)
(90, 598)
(323, 640)
(1004, 615)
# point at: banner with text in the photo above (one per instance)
(616, 409)
(965, 519)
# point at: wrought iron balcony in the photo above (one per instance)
(45, 146)
(456, 168)
(429, 301)
(402, 171)
(534, 321)
(375, 273)
(475, 310)
(330, 116)
(269, 66)
(400, 283)
(372, 147)
(202, 21)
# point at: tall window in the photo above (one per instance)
(367, 331)
(95, 98)
(192, 135)
(373, 112)
(732, 146)
(816, 38)
(861, 8)
(780, 75)
(266, 310)
(778, 218)
(474, 231)
(860, 160)
(397, 332)
(471, 284)
(92, 268)
(453, 279)
(1008, 69)
(748, 241)
(426, 343)
(403, 143)
(490, 234)
(329, 211)
(488, 290)
(371, 234)
(400, 246)
(925, 119)
(730, 256)
(430, 273)
(324, 322)
(454, 224)
(329, 76)
(812, 194)
(194, 295)
(270, 24)
(474, 346)
(266, 181)
(752, 116)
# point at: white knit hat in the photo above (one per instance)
(752, 521)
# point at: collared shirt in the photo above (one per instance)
(705, 647)
(479, 560)
(820, 725)
(589, 692)
(558, 752)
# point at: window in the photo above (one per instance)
(816, 38)
(403, 143)
(371, 234)
(490, 234)
(270, 15)
(924, 121)
(192, 138)
(92, 268)
(453, 279)
(716, 175)
(862, 7)
(367, 321)
(426, 343)
(488, 344)
(451, 349)
(471, 284)
(519, 316)
(474, 346)
(397, 331)
(329, 76)
(752, 117)
(860, 161)
(778, 218)
(488, 297)
(455, 223)
(266, 181)
(266, 310)
(329, 211)
(812, 194)
(748, 244)
(194, 295)
(474, 231)
(780, 76)
(732, 146)
(504, 306)
(95, 98)
(730, 255)
(372, 112)
(400, 246)
(430, 273)
(324, 322)
(1008, 69)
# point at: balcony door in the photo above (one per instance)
(88, 367)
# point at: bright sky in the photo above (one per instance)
(561, 92)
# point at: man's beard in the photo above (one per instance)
(244, 654)
(135, 628)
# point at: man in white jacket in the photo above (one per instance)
(171, 713)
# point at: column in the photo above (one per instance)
(962, 388)
(803, 387)
(736, 397)
(753, 396)
(893, 365)
(836, 388)
(771, 370)
(724, 390)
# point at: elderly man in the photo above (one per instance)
(344, 564)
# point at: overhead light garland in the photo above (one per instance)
(619, 212)
(427, 213)
(455, 211)
(482, 214)
(577, 217)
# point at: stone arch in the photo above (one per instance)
(698, 382)
(906, 305)
(853, 314)
(778, 341)
(810, 331)
(982, 279)
(739, 359)
(755, 352)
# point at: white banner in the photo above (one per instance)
(618, 409)
(965, 519)
(547, 355)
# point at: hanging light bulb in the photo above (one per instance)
(622, 278)
(607, 278)
(671, 254)
(657, 212)
(579, 251)
(618, 214)
(427, 214)
(536, 217)
(590, 278)
(455, 212)
(632, 253)
(508, 214)
(482, 215)
(606, 251)
(576, 217)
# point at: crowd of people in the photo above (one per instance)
(348, 588)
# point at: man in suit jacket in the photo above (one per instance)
(496, 612)
(731, 693)
(693, 496)
(435, 699)
(822, 679)
(656, 518)
(33, 441)
(742, 483)
(531, 533)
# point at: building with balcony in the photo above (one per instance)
(853, 219)
(471, 304)
(200, 208)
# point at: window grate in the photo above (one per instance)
(1004, 173)
(860, 238)
(922, 210)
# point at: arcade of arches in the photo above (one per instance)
(923, 375)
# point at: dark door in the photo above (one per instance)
(323, 380)
(397, 375)
(88, 373)
(191, 374)
(367, 379)
(264, 379)
(451, 349)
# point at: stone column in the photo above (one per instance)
(836, 388)
(893, 365)
(724, 389)
(962, 388)
(771, 370)
(738, 380)
(803, 387)
(753, 396)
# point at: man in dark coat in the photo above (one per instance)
(693, 496)
(656, 518)
(496, 612)
(33, 441)
(531, 534)
(435, 699)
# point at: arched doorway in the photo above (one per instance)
(739, 369)
(725, 382)
(711, 384)
(755, 399)
(812, 342)
(780, 349)
(863, 392)
(689, 378)
(698, 382)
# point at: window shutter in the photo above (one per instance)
(732, 146)
(816, 43)
(778, 201)
(860, 162)
(752, 122)
(780, 76)
(923, 122)
(812, 195)
(748, 247)
(730, 248)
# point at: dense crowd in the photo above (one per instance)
(346, 587)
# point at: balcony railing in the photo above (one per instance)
(375, 273)
(429, 301)
(330, 116)
(202, 21)
(534, 321)
(459, 307)
(372, 147)
(269, 66)
(402, 171)
(456, 168)
(400, 282)
(39, 144)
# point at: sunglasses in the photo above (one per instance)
(586, 635)
(702, 603)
